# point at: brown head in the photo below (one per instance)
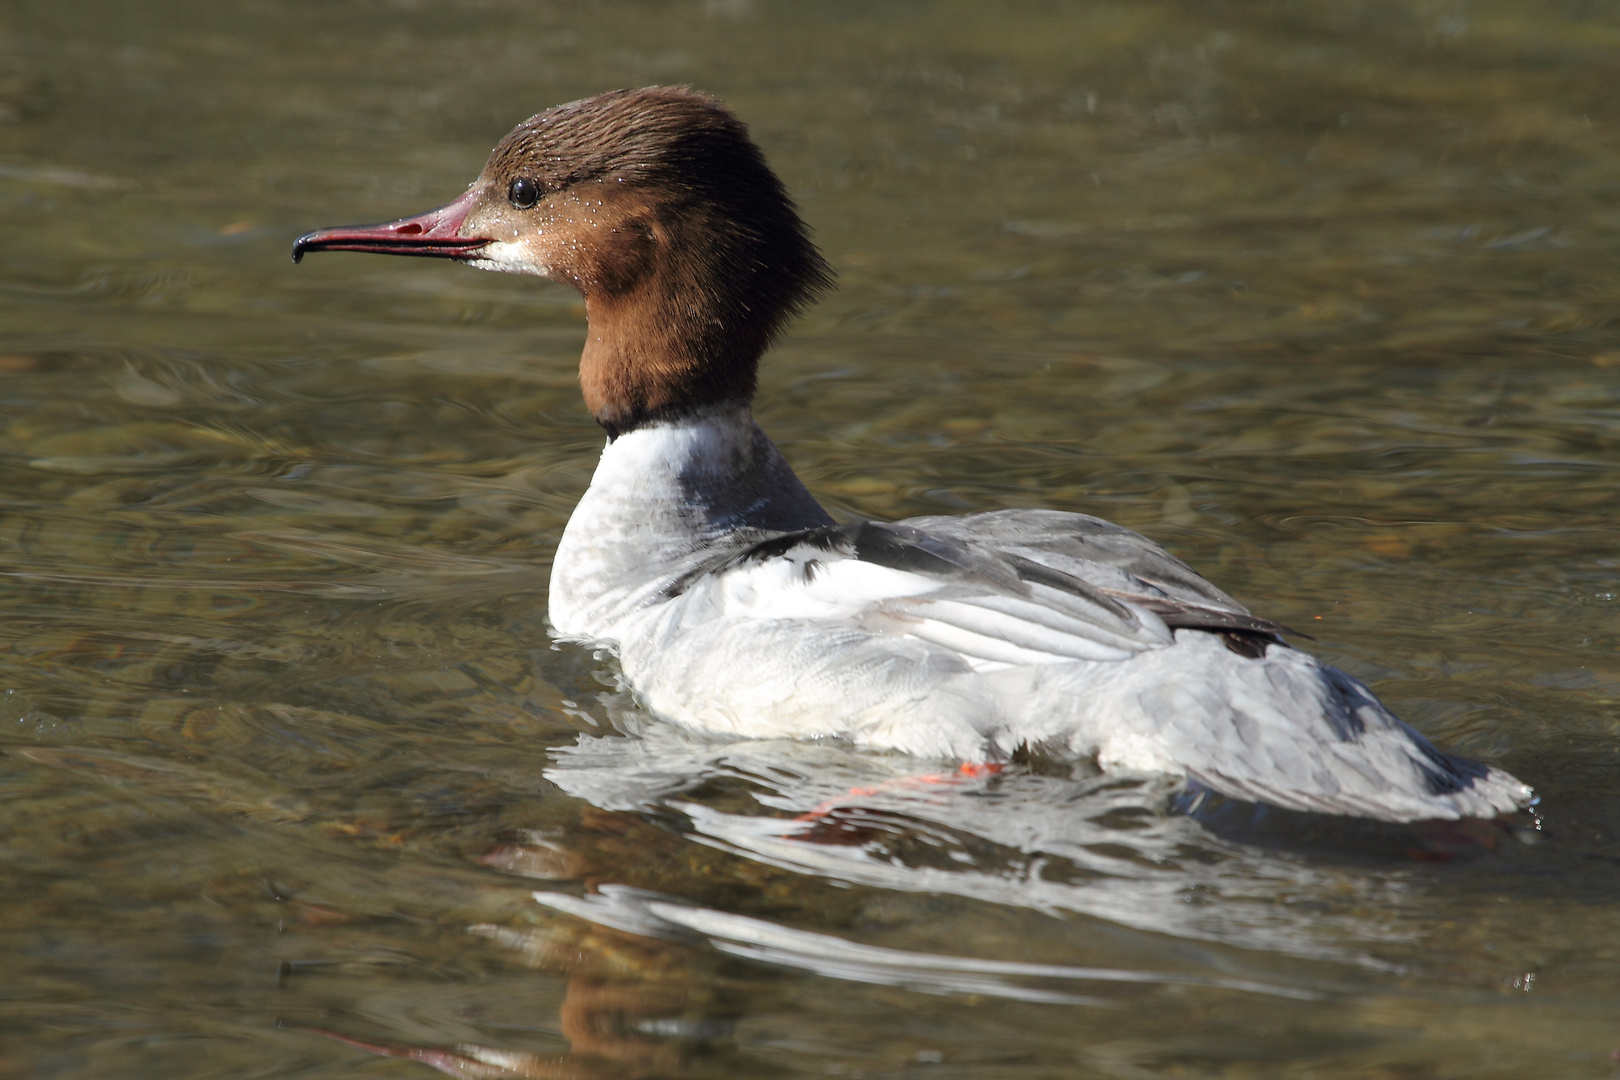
(659, 209)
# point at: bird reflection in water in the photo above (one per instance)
(633, 1005)
(648, 991)
(1140, 851)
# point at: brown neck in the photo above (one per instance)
(665, 337)
(638, 366)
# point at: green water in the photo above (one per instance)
(1321, 296)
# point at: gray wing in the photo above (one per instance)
(1065, 549)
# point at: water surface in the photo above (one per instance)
(1320, 296)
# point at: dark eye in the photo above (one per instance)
(524, 193)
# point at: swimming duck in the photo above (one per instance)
(737, 606)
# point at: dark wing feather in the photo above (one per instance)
(896, 546)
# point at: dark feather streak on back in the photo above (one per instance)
(1040, 574)
(897, 547)
(1246, 635)
(827, 538)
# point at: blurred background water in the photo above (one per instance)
(1319, 295)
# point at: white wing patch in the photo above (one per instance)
(990, 629)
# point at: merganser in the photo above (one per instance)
(737, 606)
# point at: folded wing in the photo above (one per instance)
(1001, 589)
